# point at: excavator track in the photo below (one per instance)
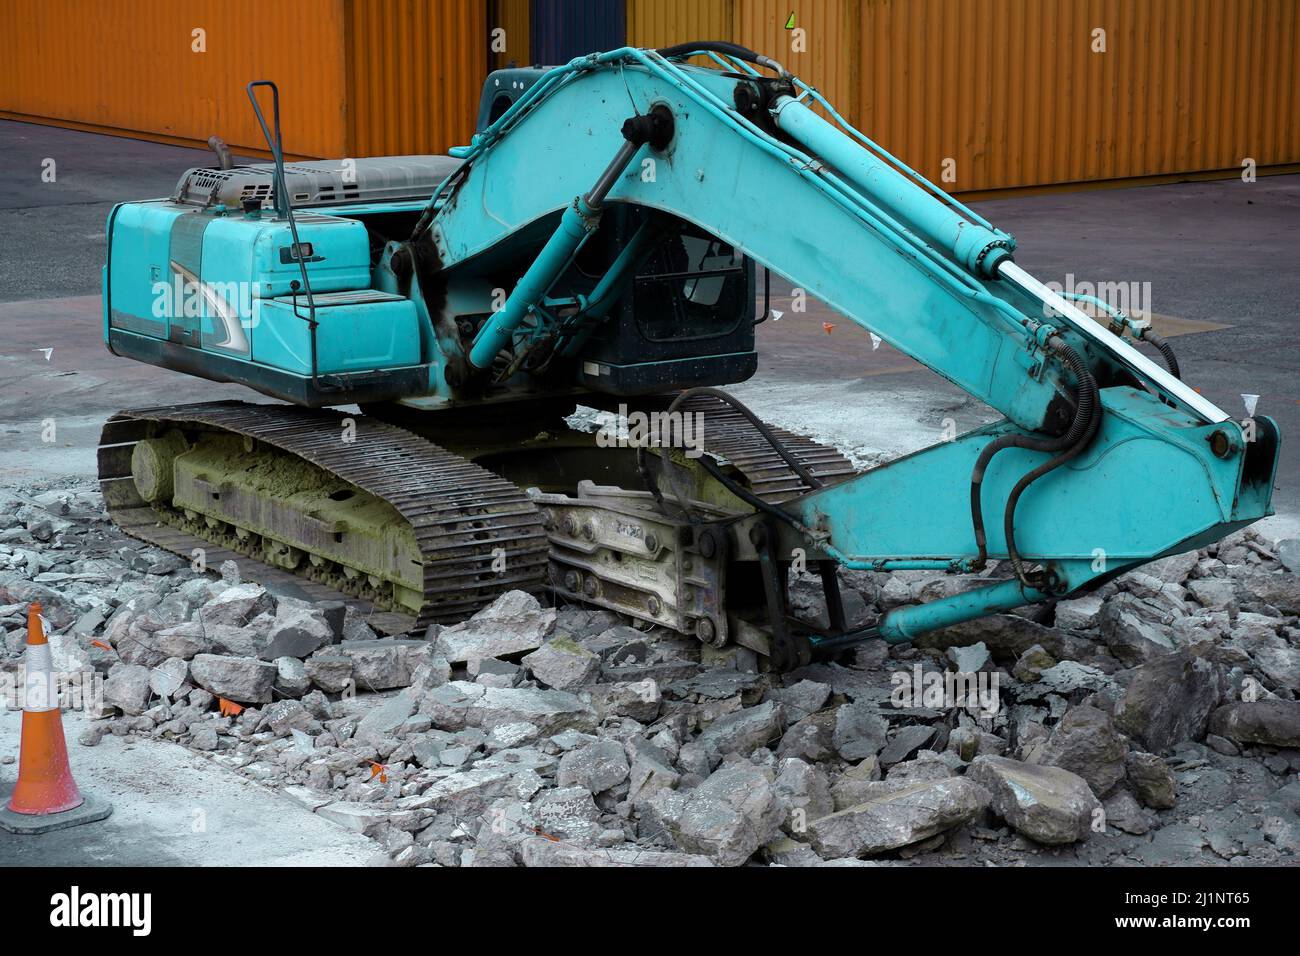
(464, 516)
(730, 435)
(478, 536)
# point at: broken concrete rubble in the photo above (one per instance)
(242, 679)
(897, 817)
(1047, 804)
(514, 624)
(567, 736)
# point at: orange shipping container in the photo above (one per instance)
(978, 94)
(356, 77)
(995, 94)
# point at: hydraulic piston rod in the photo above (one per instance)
(580, 219)
(976, 247)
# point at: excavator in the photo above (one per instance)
(421, 330)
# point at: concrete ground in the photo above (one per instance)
(172, 807)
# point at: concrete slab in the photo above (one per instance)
(172, 807)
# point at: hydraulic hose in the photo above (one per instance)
(722, 46)
(1087, 416)
(1165, 351)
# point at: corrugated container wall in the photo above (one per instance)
(1038, 92)
(509, 33)
(563, 29)
(356, 77)
(415, 72)
(177, 71)
(1028, 93)
(1014, 93)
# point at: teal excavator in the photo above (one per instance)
(427, 326)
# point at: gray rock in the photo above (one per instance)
(1214, 592)
(1078, 614)
(247, 641)
(598, 766)
(727, 818)
(550, 710)
(205, 738)
(897, 817)
(127, 688)
(651, 771)
(237, 606)
(363, 818)
(297, 633)
(1279, 590)
(331, 672)
(857, 785)
(810, 739)
(384, 663)
(801, 699)
(285, 716)
(242, 679)
(1030, 665)
(1273, 656)
(1173, 569)
(291, 679)
(746, 730)
(1066, 678)
(1275, 723)
(860, 732)
(1169, 700)
(1124, 813)
(513, 624)
(183, 640)
(563, 664)
(388, 714)
(1128, 627)
(926, 767)
(1047, 804)
(93, 735)
(1152, 780)
(804, 793)
(1288, 552)
(491, 672)
(1222, 745)
(507, 736)
(905, 742)
(538, 851)
(168, 679)
(568, 813)
(971, 659)
(1085, 742)
(466, 795)
(640, 700)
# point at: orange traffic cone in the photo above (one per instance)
(45, 797)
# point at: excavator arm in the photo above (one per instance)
(1105, 460)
